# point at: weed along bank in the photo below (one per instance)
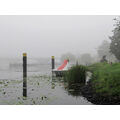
(104, 85)
(75, 79)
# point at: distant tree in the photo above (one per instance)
(85, 59)
(103, 59)
(104, 50)
(115, 39)
(69, 56)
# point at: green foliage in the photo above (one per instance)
(106, 78)
(76, 74)
(103, 49)
(115, 40)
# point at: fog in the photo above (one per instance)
(44, 36)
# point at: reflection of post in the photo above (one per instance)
(24, 75)
(52, 85)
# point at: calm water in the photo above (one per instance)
(42, 88)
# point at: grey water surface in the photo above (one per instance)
(42, 89)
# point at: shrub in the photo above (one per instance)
(76, 74)
(106, 79)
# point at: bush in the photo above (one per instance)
(106, 79)
(76, 74)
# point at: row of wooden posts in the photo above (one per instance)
(25, 72)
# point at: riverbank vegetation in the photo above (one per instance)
(74, 79)
(104, 84)
(76, 74)
(106, 79)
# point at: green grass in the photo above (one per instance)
(76, 74)
(106, 78)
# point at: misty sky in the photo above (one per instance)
(44, 36)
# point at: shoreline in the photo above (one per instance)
(89, 93)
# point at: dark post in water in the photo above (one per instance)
(24, 75)
(53, 62)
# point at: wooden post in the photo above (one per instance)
(53, 62)
(24, 75)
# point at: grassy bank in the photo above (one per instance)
(104, 85)
(106, 79)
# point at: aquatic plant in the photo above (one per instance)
(76, 74)
(75, 78)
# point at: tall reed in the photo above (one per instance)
(76, 74)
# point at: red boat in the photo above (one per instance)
(59, 72)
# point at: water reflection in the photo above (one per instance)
(52, 85)
(73, 89)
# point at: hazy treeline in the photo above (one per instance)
(87, 58)
(84, 59)
(109, 50)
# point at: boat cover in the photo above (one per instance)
(63, 66)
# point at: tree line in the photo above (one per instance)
(110, 50)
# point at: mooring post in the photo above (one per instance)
(53, 62)
(24, 75)
(53, 65)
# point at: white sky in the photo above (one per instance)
(44, 36)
